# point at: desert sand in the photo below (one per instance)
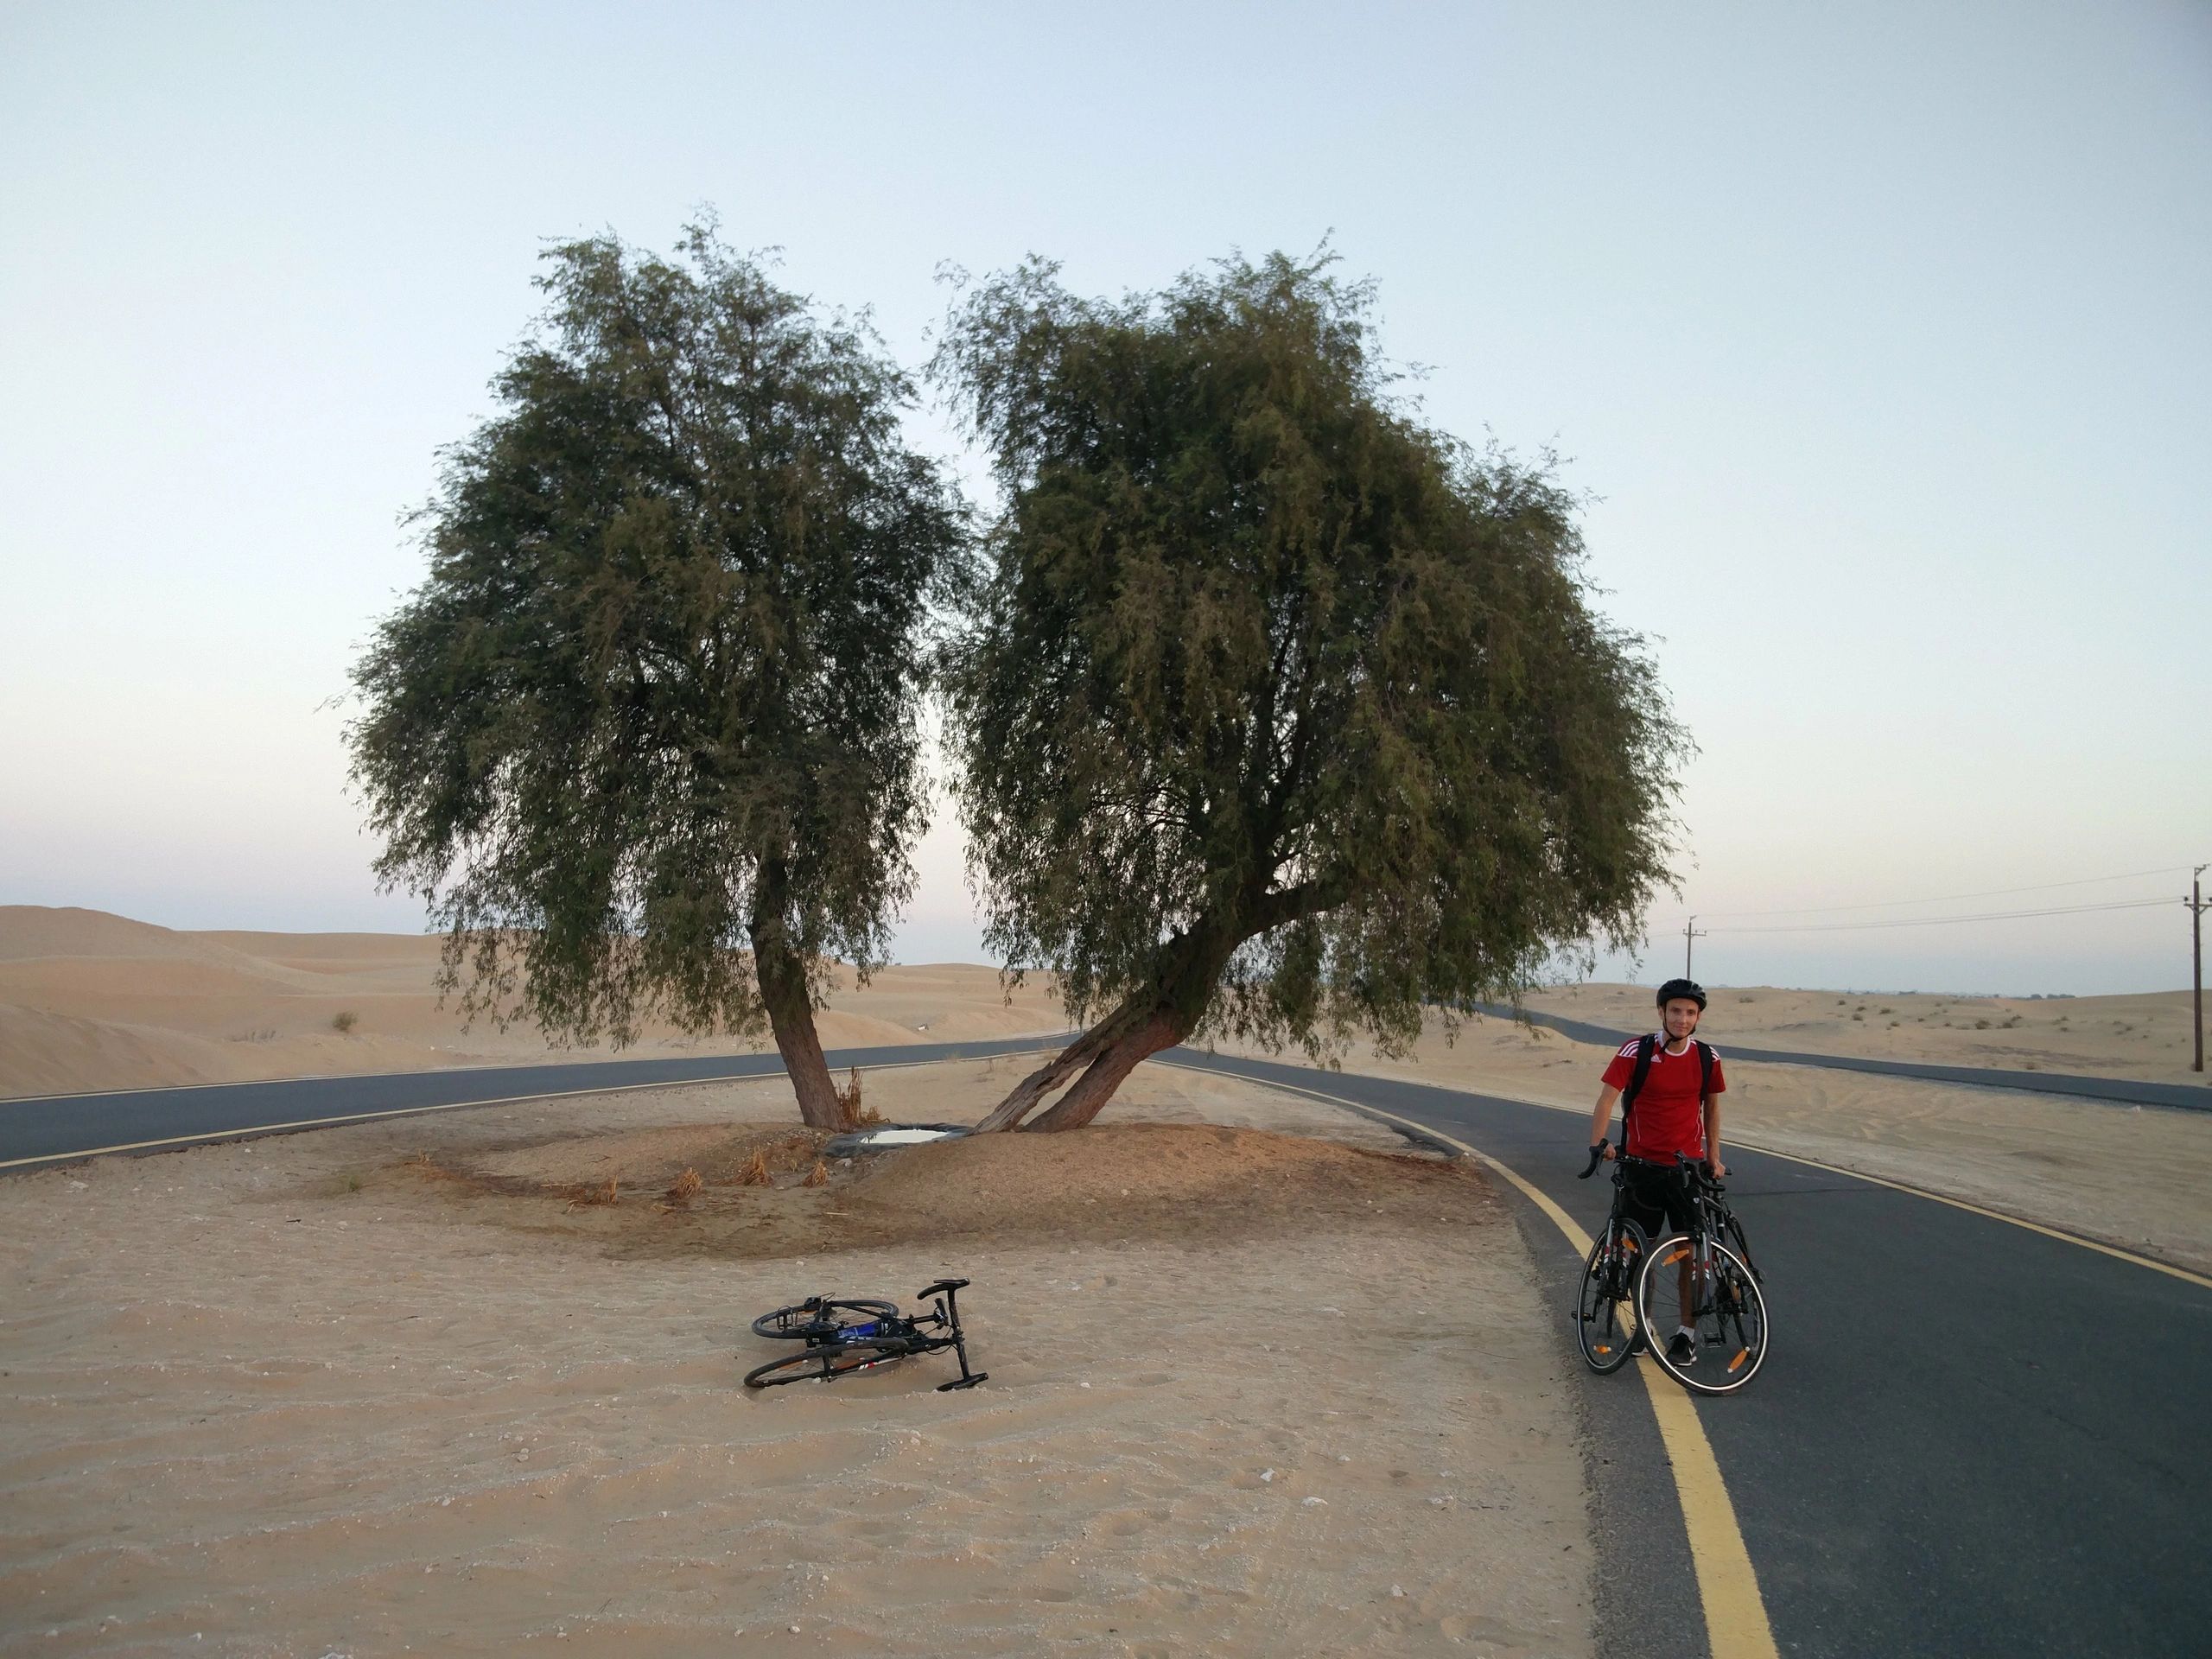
(89, 1001)
(2148, 1036)
(1263, 1380)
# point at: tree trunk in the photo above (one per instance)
(1163, 1029)
(1157, 1016)
(784, 992)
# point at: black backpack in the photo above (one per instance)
(1648, 1045)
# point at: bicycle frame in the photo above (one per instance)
(908, 1332)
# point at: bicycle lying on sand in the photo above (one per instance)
(1702, 1280)
(846, 1335)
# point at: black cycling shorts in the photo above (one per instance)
(1654, 1198)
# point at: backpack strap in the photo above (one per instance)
(1645, 1047)
(1705, 1070)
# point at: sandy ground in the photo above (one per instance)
(2150, 1036)
(2137, 1177)
(1263, 1380)
(89, 1001)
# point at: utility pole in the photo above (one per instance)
(2195, 903)
(1691, 933)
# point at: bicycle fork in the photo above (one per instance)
(948, 1313)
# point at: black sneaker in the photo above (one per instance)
(1682, 1350)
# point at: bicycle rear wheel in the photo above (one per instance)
(1722, 1305)
(1605, 1315)
(820, 1319)
(824, 1364)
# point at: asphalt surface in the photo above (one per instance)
(55, 1128)
(1968, 1438)
(2189, 1097)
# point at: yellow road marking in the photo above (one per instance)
(1735, 1615)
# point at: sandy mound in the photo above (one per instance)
(1107, 1184)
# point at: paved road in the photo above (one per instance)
(2190, 1096)
(55, 1128)
(1969, 1439)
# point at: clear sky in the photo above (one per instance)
(1880, 332)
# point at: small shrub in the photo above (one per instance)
(686, 1187)
(755, 1172)
(848, 1098)
(1981, 1024)
(818, 1176)
(1858, 1016)
(344, 1022)
(1888, 1010)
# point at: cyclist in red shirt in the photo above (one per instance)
(1675, 1109)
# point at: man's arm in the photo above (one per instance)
(1713, 1136)
(1602, 1116)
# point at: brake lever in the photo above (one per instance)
(1597, 1153)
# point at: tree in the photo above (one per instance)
(1279, 715)
(645, 738)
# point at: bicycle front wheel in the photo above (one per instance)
(824, 1364)
(1605, 1316)
(1720, 1304)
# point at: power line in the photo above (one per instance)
(1941, 921)
(1948, 897)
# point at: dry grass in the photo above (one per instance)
(848, 1098)
(685, 1187)
(754, 1172)
(611, 1193)
(818, 1176)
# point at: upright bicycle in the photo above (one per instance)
(1703, 1281)
(1604, 1302)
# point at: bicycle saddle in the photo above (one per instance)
(942, 1284)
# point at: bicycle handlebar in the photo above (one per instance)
(1597, 1153)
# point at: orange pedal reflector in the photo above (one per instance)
(1742, 1354)
(1604, 1348)
(1673, 1256)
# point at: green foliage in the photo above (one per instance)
(657, 699)
(1276, 707)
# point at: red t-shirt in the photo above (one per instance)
(1667, 1116)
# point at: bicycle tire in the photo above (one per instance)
(822, 1319)
(825, 1363)
(1605, 1314)
(1731, 1321)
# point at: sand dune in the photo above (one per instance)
(89, 1001)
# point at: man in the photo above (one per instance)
(1675, 1109)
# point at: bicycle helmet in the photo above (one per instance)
(1689, 988)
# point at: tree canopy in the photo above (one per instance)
(1278, 713)
(646, 738)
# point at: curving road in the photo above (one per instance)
(2188, 1096)
(1971, 1437)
